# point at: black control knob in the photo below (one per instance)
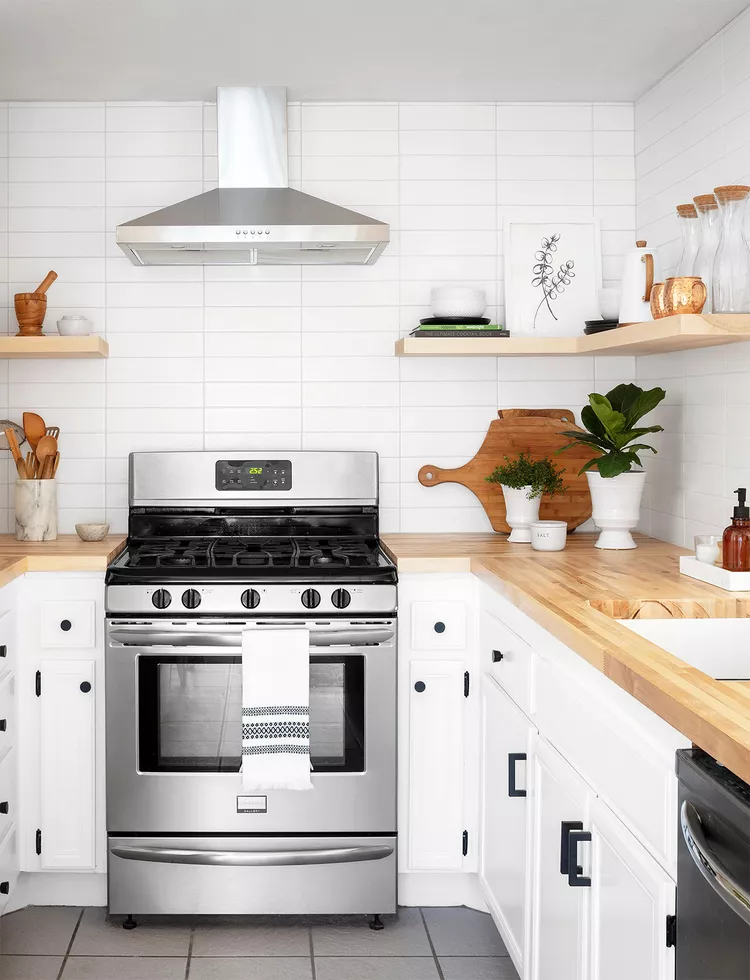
(161, 598)
(250, 598)
(310, 598)
(191, 599)
(341, 598)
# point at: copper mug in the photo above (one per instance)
(657, 300)
(680, 295)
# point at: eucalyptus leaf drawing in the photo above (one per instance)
(551, 282)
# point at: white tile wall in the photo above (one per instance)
(294, 358)
(692, 133)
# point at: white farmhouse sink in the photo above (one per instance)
(718, 647)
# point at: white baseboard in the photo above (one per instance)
(440, 888)
(58, 888)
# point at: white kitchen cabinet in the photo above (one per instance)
(436, 765)
(631, 897)
(559, 911)
(68, 765)
(506, 771)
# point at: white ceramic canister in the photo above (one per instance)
(549, 535)
(616, 507)
(520, 511)
(36, 510)
(640, 270)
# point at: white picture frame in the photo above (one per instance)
(536, 309)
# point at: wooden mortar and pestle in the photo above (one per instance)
(31, 307)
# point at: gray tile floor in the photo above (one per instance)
(418, 944)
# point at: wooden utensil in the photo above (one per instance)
(517, 430)
(53, 430)
(20, 465)
(47, 446)
(31, 465)
(55, 464)
(47, 467)
(34, 428)
(31, 307)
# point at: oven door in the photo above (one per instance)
(174, 718)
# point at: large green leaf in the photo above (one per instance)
(639, 447)
(645, 403)
(623, 397)
(592, 423)
(637, 433)
(587, 466)
(614, 464)
(612, 421)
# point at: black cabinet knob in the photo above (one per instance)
(4, 806)
(85, 687)
(496, 656)
(250, 598)
(66, 625)
(420, 686)
(4, 887)
(439, 627)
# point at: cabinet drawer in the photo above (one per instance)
(8, 795)
(438, 625)
(68, 623)
(7, 714)
(8, 867)
(508, 658)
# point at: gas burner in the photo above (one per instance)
(175, 560)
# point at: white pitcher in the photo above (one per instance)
(640, 271)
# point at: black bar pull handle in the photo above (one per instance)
(3, 650)
(576, 878)
(566, 828)
(513, 758)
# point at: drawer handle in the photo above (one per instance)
(66, 625)
(576, 878)
(3, 724)
(566, 827)
(3, 650)
(513, 758)
(420, 686)
(4, 887)
(497, 656)
(439, 627)
(85, 687)
(4, 806)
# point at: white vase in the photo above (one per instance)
(520, 512)
(616, 505)
(36, 510)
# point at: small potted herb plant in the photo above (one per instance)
(523, 480)
(613, 434)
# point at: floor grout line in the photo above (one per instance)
(432, 945)
(189, 952)
(312, 952)
(70, 944)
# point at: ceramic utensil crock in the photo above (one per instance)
(36, 510)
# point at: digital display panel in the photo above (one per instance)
(253, 470)
(253, 474)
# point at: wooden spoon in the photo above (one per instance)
(46, 282)
(47, 446)
(20, 464)
(34, 428)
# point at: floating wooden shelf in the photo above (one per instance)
(53, 346)
(671, 333)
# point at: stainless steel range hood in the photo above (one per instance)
(253, 217)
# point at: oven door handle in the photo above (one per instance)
(712, 869)
(318, 638)
(258, 859)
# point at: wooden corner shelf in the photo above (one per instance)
(53, 346)
(671, 333)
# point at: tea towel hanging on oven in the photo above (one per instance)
(275, 709)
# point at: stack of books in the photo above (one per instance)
(464, 331)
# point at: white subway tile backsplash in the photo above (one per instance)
(437, 143)
(145, 118)
(52, 169)
(349, 116)
(51, 118)
(56, 194)
(159, 143)
(451, 116)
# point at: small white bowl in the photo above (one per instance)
(458, 301)
(92, 532)
(74, 326)
(548, 535)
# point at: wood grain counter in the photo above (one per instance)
(67, 554)
(578, 594)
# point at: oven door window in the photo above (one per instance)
(190, 714)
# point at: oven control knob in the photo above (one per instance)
(310, 598)
(191, 599)
(250, 598)
(341, 598)
(161, 598)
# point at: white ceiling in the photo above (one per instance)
(431, 50)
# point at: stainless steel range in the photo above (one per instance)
(216, 544)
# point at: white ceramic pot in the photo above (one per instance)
(520, 512)
(36, 510)
(73, 325)
(458, 301)
(549, 535)
(616, 505)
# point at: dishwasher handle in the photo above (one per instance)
(719, 878)
(257, 859)
(318, 638)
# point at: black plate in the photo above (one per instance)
(600, 328)
(472, 321)
(602, 324)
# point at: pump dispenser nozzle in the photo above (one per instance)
(741, 511)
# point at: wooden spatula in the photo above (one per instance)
(34, 428)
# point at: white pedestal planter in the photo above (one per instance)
(36, 510)
(520, 511)
(616, 505)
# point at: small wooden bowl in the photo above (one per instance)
(30, 310)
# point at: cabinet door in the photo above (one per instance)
(68, 777)
(436, 765)
(631, 897)
(506, 744)
(559, 912)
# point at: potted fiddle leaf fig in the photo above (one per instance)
(614, 471)
(523, 480)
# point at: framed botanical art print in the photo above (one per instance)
(553, 273)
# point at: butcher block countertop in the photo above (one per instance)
(578, 594)
(67, 554)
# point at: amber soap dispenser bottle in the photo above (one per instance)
(736, 540)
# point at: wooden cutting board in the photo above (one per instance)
(534, 431)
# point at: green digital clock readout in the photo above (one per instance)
(254, 470)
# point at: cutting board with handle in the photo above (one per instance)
(517, 430)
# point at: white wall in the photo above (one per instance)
(693, 134)
(283, 358)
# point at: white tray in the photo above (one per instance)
(731, 581)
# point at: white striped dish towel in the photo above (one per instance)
(275, 709)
